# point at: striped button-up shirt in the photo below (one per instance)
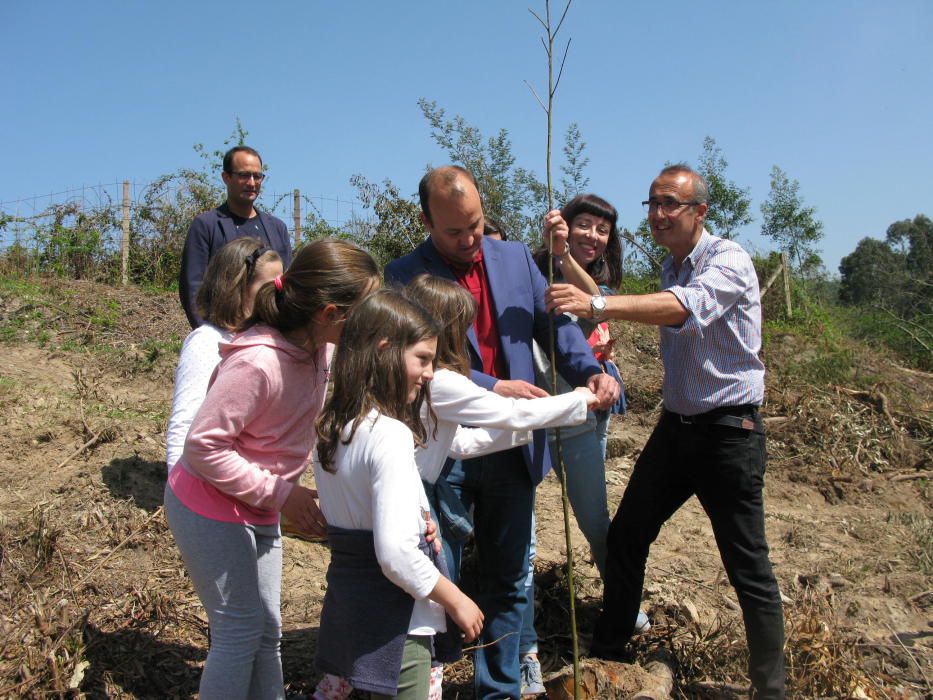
(711, 361)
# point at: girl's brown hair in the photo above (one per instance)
(325, 271)
(454, 309)
(366, 376)
(228, 274)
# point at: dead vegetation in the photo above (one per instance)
(94, 600)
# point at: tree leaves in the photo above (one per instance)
(729, 204)
(791, 225)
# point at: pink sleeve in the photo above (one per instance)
(240, 391)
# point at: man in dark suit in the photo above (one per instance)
(509, 291)
(235, 218)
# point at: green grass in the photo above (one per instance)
(158, 416)
(106, 316)
(153, 348)
(920, 527)
(22, 286)
(28, 324)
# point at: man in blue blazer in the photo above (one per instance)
(509, 291)
(236, 217)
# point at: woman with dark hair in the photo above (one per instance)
(591, 238)
(583, 239)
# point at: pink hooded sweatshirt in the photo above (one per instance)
(253, 435)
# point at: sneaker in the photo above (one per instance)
(642, 624)
(532, 681)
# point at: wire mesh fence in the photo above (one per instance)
(134, 231)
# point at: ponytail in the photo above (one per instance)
(325, 271)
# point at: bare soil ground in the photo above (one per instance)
(94, 599)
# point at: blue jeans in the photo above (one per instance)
(586, 489)
(528, 640)
(500, 490)
(602, 430)
(724, 467)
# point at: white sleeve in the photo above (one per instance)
(398, 497)
(476, 442)
(457, 399)
(196, 362)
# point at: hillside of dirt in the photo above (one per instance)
(94, 600)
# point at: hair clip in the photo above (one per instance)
(255, 255)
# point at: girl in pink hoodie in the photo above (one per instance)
(245, 451)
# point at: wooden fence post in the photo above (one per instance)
(125, 243)
(786, 284)
(774, 276)
(297, 212)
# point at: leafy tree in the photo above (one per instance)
(574, 181)
(73, 245)
(511, 194)
(729, 204)
(914, 239)
(396, 229)
(214, 160)
(891, 281)
(641, 255)
(867, 273)
(316, 227)
(162, 217)
(166, 209)
(791, 225)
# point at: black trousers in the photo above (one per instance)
(724, 467)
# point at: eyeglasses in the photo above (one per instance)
(668, 206)
(245, 175)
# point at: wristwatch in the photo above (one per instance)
(597, 306)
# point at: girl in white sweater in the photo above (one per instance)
(386, 593)
(224, 300)
(498, 423)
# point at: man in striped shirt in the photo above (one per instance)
(709, 441)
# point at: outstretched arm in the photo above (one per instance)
(658, 309)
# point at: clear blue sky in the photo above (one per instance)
(838, 94)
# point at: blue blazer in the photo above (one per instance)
(209, 232)
(517, 288)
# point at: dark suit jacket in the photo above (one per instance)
(517, 289)
(209, 232)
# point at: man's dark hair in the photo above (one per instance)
(491, 227)
(228, 156)
(700, 188)
(444, 176)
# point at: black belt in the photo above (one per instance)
(745, 417)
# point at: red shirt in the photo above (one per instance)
(473, 279)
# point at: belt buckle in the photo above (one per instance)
(685, 420)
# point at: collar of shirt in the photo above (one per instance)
(670, 274)
(464, 269)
